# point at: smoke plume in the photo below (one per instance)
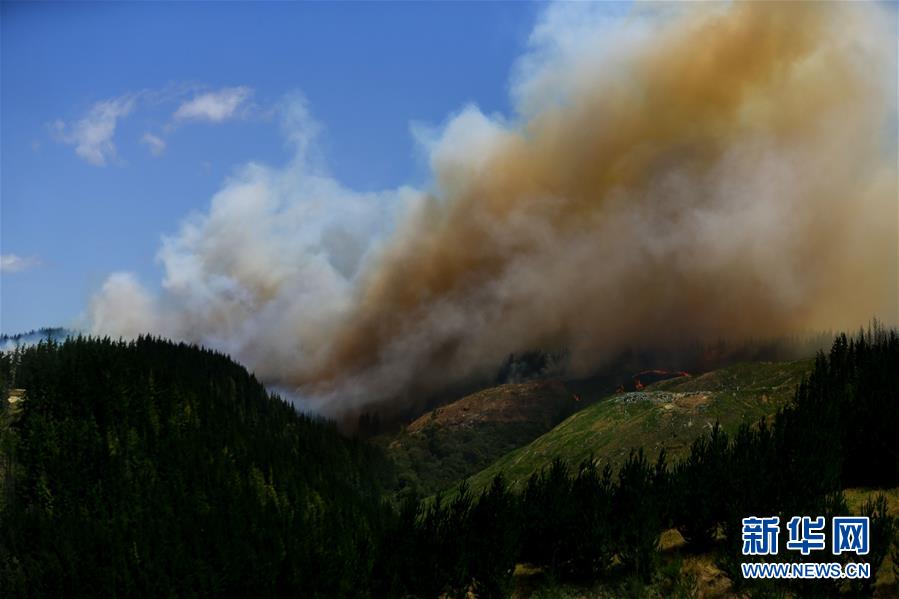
(700, 170)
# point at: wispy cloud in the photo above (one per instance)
(214, 107)
(155, 143)
(92, 135)
(10, 263)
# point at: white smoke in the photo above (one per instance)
(268, 270)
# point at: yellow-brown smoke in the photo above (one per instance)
(729, 170)
(723, 180)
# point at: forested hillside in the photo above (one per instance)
(150, 468)
(159, 469)
(454, 441)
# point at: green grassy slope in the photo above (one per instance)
(669, 414)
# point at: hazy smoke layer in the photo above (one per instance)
(719, 170)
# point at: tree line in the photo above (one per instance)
(154, 468)
(150, 468)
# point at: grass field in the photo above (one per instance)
(666, 415)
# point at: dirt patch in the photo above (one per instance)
(692, 401)
(523, 402)
(710, 580)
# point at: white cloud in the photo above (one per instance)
(155, 143)
(214, 107)
(10, 263)
(92, 135)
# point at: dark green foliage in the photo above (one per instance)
(699, 502)
(548, 515)
(864, 374)
(639, 511)
(155, 468)
(451, 547)
(572, 527)
(151, 468)
(493, 540)
(572, 524)
(840, 431)
(592, 544)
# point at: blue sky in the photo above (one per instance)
(192, 91)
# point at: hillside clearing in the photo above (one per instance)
(666, 415)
